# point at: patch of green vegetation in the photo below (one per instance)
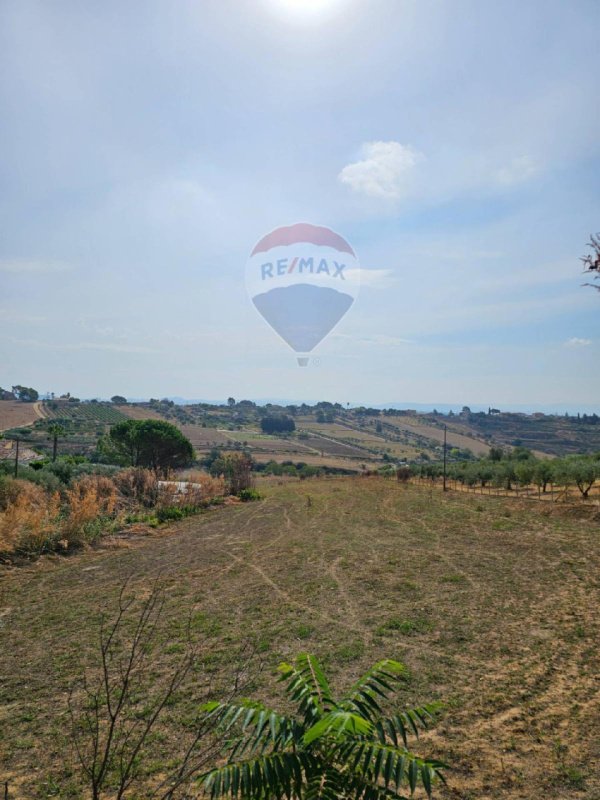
(454, 578)
(351, 651)
(303, 631)
(503, 525)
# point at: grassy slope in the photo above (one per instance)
(494, 605)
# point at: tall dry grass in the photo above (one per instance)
(30, 522)
(33, 520)
(138, 484)
(89, 501)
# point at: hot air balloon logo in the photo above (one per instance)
(303, 279)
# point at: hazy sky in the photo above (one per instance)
(146, 146)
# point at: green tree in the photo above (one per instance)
(272, 424)
(236, 468)
(524, 471)
(151, 443)
(504, 474)
(580, 471)
(118, 400)
(330, 749)
(55, 430)
(25, 393)
(543, 474)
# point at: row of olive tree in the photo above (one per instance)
(509, 473)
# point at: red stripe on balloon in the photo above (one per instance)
(303, 232)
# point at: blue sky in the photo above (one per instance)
(146, 146)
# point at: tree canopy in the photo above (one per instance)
(25, 393)
(151, 443)
(272, 424)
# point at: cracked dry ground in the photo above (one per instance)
(493, 604)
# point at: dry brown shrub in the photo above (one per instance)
(89, 498)
(30, 521)
(168, 495)
(10, 488)
(197, 489)
(138, 484)
(210, 486)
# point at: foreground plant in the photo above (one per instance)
(330, 749)
(117, 711)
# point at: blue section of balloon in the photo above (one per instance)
(303, 314)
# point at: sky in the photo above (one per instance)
(145, 147)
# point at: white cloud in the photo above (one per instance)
(377, 278)
(384, 171)
(24, 266)
(517, 171)
(576, 342)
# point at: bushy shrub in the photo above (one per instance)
(29, 523)
(139, 484)
(248, 495)
(169, 513)
(90, 501)
(63, 471)
(46, 479)
(10, 489)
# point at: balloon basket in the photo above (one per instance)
(302, 361)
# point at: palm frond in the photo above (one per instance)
(307, 686)
(389, 765)
(375, 685)
(253, 726)
(359, 788)
(406, 723)
(338, 724)
(274, 775)
(325, 784)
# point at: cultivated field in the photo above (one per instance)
(139, 412)
(14, 414)
(428, 431)
(494, 605)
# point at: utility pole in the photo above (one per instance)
(445, 431)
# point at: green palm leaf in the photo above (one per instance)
(273, 775)
(307, 686)
(257, 727)
(338, 724)
(333, 751)
(393, 766)
(375, 685)
(406, 723)
(326, 784)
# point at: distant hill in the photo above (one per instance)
(549, 434)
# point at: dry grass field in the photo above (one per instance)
(139, 412)
(417, 426)
(494, 605)
(14, 414)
